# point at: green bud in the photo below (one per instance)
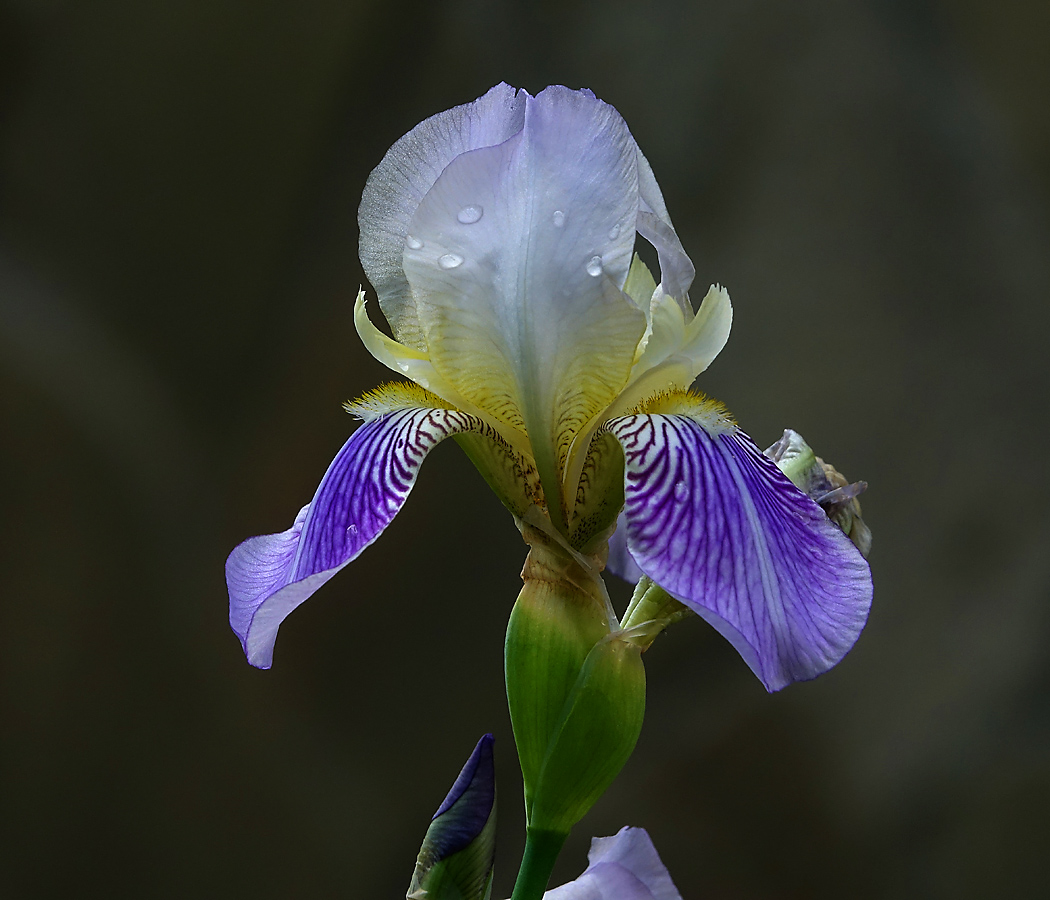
(651, 610)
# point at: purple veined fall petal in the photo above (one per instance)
(717, 525)
(624, 866)
(364, 488)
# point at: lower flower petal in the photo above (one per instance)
(364, 488)
(625, 866)
(605, 881)
(717, 525)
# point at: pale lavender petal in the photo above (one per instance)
(362, 491)
(523, 250)
(606, 881)
(654, 224)
(625, 866)
(398, 184)
(620, 561)
(717, 525)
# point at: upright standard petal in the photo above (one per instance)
(717, 525)
(523, 251)
(362, 491)
(398, 184)
(625, 866)
(654, 224)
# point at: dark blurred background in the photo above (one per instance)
(178, 191)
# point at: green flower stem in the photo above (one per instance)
(541, 851)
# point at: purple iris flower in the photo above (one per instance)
(499, 236)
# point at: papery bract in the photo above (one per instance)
(823, 484)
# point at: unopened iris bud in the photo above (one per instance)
(455, 861)
(824, 485)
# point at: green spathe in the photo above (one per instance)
(595, 735)
(575, 685)
(558, 617)
(466, 875)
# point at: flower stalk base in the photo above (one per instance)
(541, 852)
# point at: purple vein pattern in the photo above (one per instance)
(717, 525)
(363, 489)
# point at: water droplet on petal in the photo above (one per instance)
(450, 261)
(469, 214)
(413, 243)
(594, 267)
(681, 491)
(614, 232)
(352, 529)
(559, 218)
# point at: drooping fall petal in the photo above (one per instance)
(364, 488)
(620, 561)
(717, 525)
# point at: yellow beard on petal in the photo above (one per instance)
(711, 414)
(392, 396)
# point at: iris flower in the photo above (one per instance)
(499, 237)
